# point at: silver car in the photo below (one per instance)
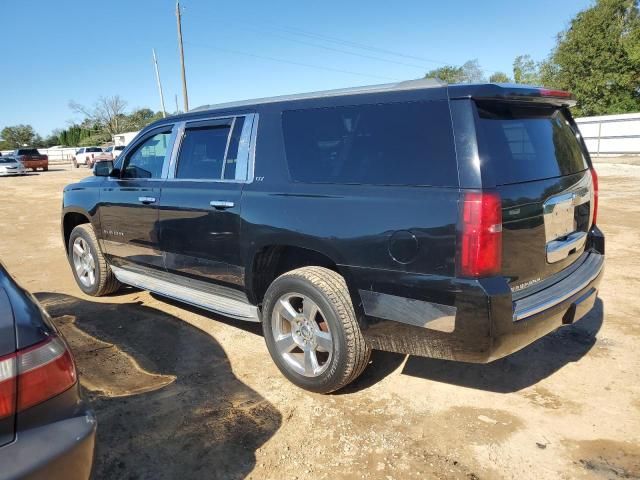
(11, 166)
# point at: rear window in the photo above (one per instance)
(94, 149)
(28, 151)
(384, 144)
(524, 143)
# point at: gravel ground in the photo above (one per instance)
(181, 393)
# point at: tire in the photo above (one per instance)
(45, 169)
(102, 281)
(288, 315)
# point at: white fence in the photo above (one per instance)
(55, 154)
(611, 134)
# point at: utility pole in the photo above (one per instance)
(155, 63)
(184, 78)
(177, 108)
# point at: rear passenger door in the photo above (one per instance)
(200, 206)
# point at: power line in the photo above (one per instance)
(291, 62)
(347, 52)
(358, 45)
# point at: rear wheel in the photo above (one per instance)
(90, 269)
(311, 330)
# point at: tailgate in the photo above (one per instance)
(543, 177)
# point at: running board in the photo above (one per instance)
(232, 304)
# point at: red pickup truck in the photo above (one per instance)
(31, 158)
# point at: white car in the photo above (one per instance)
(85, 156)
(11, 166)
(115, 150)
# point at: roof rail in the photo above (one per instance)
(385, 87)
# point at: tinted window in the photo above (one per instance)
(392, 144)
(28, 151)
(202, 152)
(94, 149)
(524, 143)
(147, 159)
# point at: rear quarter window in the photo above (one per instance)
(523, 143)
(407, 143)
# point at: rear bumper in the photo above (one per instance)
(35, 163)
(472, 321)
(59, 450)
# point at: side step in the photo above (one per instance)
(224, 301)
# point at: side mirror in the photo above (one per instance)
(103, 169)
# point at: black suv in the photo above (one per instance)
(449, 221)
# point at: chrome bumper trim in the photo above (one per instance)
(414, 312)
(561, 291)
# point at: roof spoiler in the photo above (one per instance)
(513, 93)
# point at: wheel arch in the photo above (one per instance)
(70, 220)
(270, 260)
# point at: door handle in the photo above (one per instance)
(221, 204)
(147, 200)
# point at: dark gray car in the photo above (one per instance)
(46, 429)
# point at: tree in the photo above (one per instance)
(448, 73)
(499, 77)
(526, 70)
(598, 58)
(18, 136)
(107, 112)
(472, 73)
(140, 118)
(469, 72)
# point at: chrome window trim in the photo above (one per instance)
(249, 159)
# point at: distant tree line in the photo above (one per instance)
(104, 119)
(597, 58)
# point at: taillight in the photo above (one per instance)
(46, 157)
(594, 181)
(480, 247)
(7, 386)
(34, 375)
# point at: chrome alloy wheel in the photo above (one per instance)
(84, 263)
(302, 335)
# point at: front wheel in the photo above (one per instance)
(90, 269)
(311, 330)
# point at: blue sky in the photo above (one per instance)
(56, 51)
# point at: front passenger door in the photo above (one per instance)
(129, 202)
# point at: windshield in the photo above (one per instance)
(7, 160)
(524, 143)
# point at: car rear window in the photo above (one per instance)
(407, 143)
(94, 149)
(524, 143)
(28, 151)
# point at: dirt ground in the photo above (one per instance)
(181, 393)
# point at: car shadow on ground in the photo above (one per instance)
(381, 364)
(167, 402)
(521, 369)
